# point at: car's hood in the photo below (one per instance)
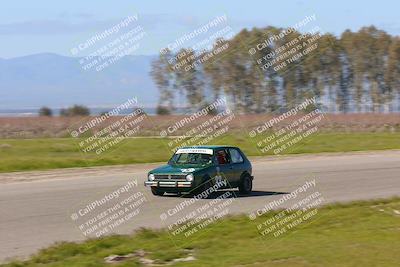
(178, 168)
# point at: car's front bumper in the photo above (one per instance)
(175, 184)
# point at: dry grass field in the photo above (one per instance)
(42, 127)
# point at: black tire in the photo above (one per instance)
(246, 185)
(156, 191)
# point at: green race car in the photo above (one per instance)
(196, 169)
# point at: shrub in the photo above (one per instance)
(161, 110)
(45, 111)
(76, 110)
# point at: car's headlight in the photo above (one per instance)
(189, 177)
(151, 177)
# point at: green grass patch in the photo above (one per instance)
(50, 153)
(355, 234)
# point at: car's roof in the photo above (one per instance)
(210, 146)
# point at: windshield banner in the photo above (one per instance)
(195, 150)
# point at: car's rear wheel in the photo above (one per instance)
(246, 185)
(156, 191)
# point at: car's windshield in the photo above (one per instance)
(191, 158)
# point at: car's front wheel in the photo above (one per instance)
(156, 191)
(246, 185)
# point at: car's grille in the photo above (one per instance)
(170, 177)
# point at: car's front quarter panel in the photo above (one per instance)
(203, 174)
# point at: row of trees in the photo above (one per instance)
(76, 110)
(356, 72)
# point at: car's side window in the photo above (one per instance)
(235, 155)
(222, 157)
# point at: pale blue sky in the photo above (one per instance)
(29, 27)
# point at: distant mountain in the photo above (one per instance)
(59, 81)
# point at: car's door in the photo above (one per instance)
(224, 166)
(237, 164)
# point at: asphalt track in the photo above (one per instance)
(36, 207)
